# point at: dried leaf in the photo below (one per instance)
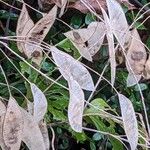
(136, 55)
(147, 69)
(129, 121)
(94, 4)
(79, 38)
(96, 40)
(62, 4)
(42, 126)
(76, 106)
(69, 67)
(111, 48)
(30, 107)
(32, 136)
(40, 103)
(24, 25)
(44, 131)
(127, 4)
(118, 22)
(2, 108)
(59, 3)
(2, 116)
(88, 41)
(13, 125)
(38, 33)
(131, 79)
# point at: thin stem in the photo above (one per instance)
(32, 66)
(98, 82)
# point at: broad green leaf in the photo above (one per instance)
(57, 114)
(80, 137)
(76, 21)
(117, 145)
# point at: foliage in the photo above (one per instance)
(56, 84)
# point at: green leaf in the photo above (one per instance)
(92, 146)
(117, 145)
(142, 87)
(81, 137)
(27, 69)
(97, 137)
(67, 45)
(48, 66)
(99, 104)
(76, 21)
(89, 18)
(57, 114)
(148, 42)
(5, 14)
(139, 26)
(60, 103)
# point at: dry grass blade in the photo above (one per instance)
(76, 106)
(13, 125)
(129, 120)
